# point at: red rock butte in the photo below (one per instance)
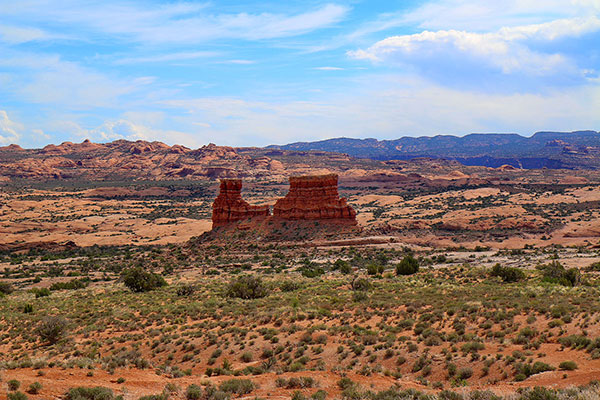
(314, 198)
(309, 198)
(229, 206)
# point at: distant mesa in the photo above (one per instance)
(311, 198)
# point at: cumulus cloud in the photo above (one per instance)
(9, 130)
(444, 54)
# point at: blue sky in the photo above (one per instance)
(258, 72)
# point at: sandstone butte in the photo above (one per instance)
(230, 207)
(309, 198)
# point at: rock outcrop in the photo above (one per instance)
(230, 207)
(314, 198)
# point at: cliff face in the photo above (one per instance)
(314, 198)
(230, 207)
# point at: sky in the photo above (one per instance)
(257, 72)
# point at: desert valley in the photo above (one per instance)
(141, 269)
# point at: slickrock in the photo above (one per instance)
(230, 207)
(314, 198)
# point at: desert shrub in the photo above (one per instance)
(52, 329)
(538, 393)
(464, 373)
(311, 271)
(186, 290)
(247, 287)
(300, 382)
(408, 266)
(374, 269)
(40, 292)
(6, 288)
(193, 392)
(524, 371)
(289, 286)
(554, 272)
(346, 383)
(17, 396)
(568, 365)
(246, 357)
(361, 284)
(139, 280)
(34, 388)
(507, 274)
(343, 266)
(13, 384)
(89, 393)
(73, 284)
(237, 386)
(162, 396)
(27, 308)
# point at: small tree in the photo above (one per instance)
(408, 266)
(52, 329)
(139, 280)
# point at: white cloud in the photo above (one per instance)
(177, 22)
(490, 15)
(169, 57)
(329, 68)
(17, 34)
(506, 50)
(47, 79)
(9, 130)
(390, 108)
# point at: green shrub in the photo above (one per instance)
(374, 269)
(237, 386)
(554, 272)
(464, 373)
(139, 280)
(508, 274)
(13, 384)
(40, 292)
(17, 396)
(343, 266)
(568, 365)
(311, 271)
(247, 287)
(186, 290)
(289, 286)
(34, 388)
(89, 393)
(408, 266)
(52, 329)
(361, 284)
(193, 392)
(6, 288)
(71, 285)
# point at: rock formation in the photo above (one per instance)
(230, 207)
(314, 198)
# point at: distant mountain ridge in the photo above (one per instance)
(570, 150)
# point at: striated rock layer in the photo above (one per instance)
(314, 198)
(230, 207)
